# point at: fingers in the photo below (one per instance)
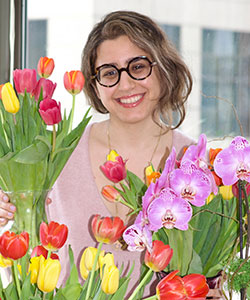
(7, 209)
(48, 201)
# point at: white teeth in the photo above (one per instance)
(130, 100)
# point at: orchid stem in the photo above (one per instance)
(15, 269)
(93, 271)
(72, 113)
(141, 284)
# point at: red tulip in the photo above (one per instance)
(115, 170)
(13, 245)
(73, 82)
(235, 190)
(47, 86)
(212, 155)
(107, 230)
(159, 257)
(45, 67)
(110, 193)
(1, 86)
(50, 111)
(24, 80)
(53, 235)
(173, 287)
(40, 250)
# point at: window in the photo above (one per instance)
(225, 74)
(173, 33)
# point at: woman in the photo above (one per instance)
(133, 73)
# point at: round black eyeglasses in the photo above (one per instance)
(138, 68)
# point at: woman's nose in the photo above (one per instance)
(126, 82)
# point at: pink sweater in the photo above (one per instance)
(75, 199)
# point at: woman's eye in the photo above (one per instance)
(109, 73)
(138, 67)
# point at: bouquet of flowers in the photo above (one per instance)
(31, 155)
(190, 205)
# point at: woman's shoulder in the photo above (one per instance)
(181, 141)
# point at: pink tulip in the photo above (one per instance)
(48, 88)
(115, 170)
(24, 80)
(73, 82)
(50, 111)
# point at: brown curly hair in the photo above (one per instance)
(175, 77)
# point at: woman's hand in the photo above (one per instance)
(7, 209)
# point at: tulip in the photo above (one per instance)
(13, 245)
(45, 67)
(106, 260)
(25, 80)
(34, 268)
(73, 82)
(212, 155)
(151, 175)
(87, 261)
(235, 190)
(49, 271)
(112, 155)
(53, 236)
(111, 194)
(47, 86)
(5, 262)
(107, 230)
(110, 280)
(159, 257)
(173, 287)
(226, 192)
(114, 169)
(40, 250)
(9, 98)
(1, 86)
(50, 111)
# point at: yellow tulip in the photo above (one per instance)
(107, 260)
(34, 268)
(226, 192)
(210, 198)
(110, 281)
(9, 98)
(112, 155)
(87, 261)
(49, 271)
(5, 262)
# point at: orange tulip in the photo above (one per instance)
(212, 155)
(45, 67)
(110, 193)
(159, 257)
(1, 86)
(13, 245)
(107, 230)
(53, 235)
(73, 82)
(173, 287)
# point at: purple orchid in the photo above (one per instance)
(138, 238)
(169, 211)
(190, 183)
(233, 162)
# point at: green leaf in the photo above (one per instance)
(73, 277)
(27, 288)
(72, 291)
(195, 264)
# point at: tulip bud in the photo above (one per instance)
(49, 271)
(226, 192)
(106, 260)
(50, 111)
(111, 194)
(159, 257)
(9, 98)
(110, 280)
(34, 268)
(73, 82)
(45, 67)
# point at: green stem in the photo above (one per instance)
(44, 295)
(54, 138)
(49, 254)
(72, 113)
(4, 132)
(141, 284)
(151, 298)
(93, 271)
(126, 203)
(15, 271)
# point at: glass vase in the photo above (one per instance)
(30, 212)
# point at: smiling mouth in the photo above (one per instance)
(130, 100)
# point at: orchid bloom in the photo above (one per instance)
(233, 162)
(169, 211)
(138, 238)
(190, 183)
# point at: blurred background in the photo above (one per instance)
(213, 36)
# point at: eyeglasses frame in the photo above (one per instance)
(124, 69)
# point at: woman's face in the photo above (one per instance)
(130, 100)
